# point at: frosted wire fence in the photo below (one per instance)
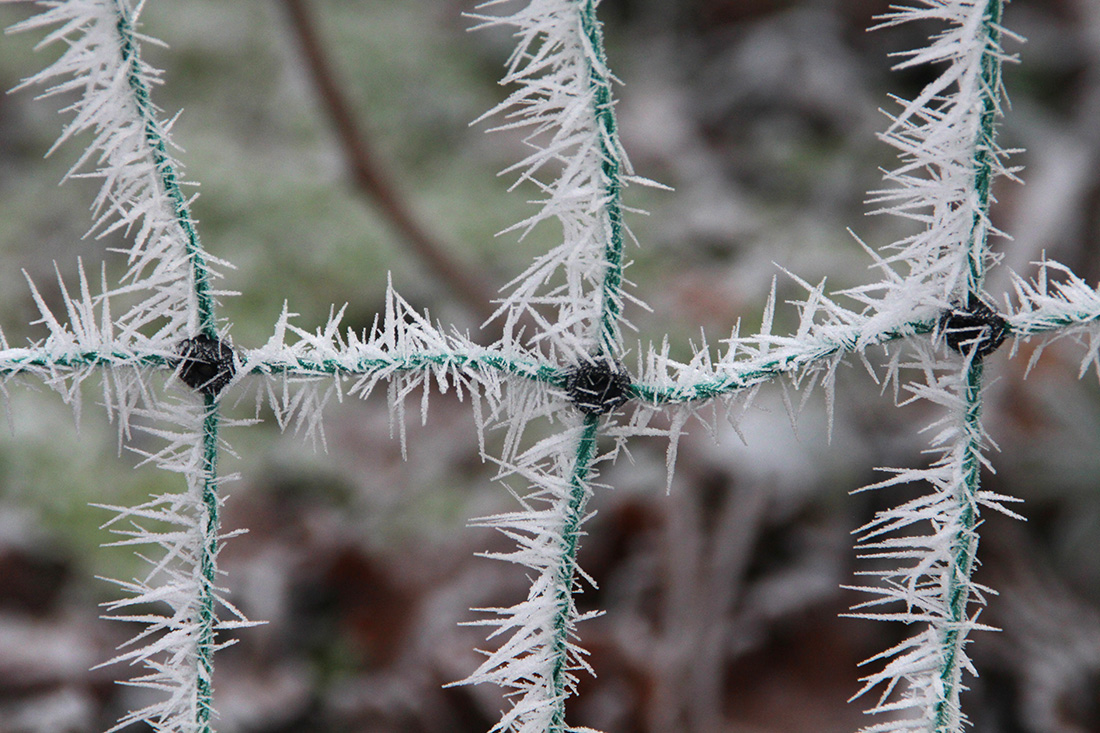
(165, 364)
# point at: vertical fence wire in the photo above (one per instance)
(209, 524)
(203, 319)
(608, 338)
(947, 713)
(166, 170)
(579, 493)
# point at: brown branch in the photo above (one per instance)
(368, 177)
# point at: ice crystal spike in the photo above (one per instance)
(598, 387)
(977, 328)
(206, 364)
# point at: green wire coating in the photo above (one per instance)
(208, 618)
(567, 568)
(545, 372)
(599, 81)
(204, 303)
(609, 340)
(739, 374)
(985, 146)
(166, 169)
(749, 373)
(964, 552)
(964, 545)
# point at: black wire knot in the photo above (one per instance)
(977, 329)
(205, 364)
(597, 387)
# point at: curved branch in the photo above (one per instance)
(368, 177)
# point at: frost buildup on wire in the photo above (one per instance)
(168, 285)
(562, 100)
(946, 137)
(142, 193)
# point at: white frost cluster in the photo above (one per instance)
(304, 370)
(949, 155)
(538, 655)
(179, 608)
(131, 152)
(562, 102)
(573, 294)
(1058, 301)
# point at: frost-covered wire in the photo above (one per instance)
(946, 138)
(168, 291)
(563, 103)
(131, 153)
(947, 145)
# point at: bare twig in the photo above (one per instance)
(369, 178)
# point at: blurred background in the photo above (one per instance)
(722, 597)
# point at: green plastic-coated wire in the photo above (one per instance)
(206, 322)
(567, 568)
(207, 611)
(609, 340)
(166, 170)
(964, 546)
(603, 109)
(984, 160)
